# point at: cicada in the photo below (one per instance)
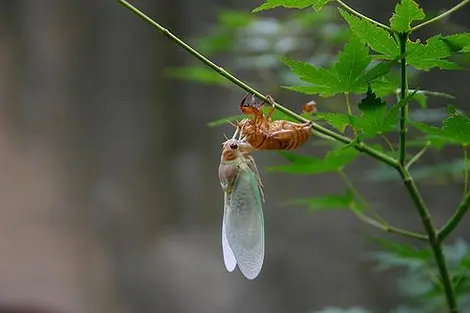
(242, 222)
(264, 134)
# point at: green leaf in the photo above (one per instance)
(376, 38)
(324, 81)
(324, 203)
(198, 74)
(406, 12)
(374, 118)
(319, 4)
(455, 129)
(348, 74)
(458, 42)
(352, 62)
(422, 99)
(334, 161)
(291, 4)
(220, 40)
(429, 55)
(398, 254)
(377, 71)
(234, 18)
(337, 120)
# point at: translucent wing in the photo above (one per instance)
(244, 224)
(229, 259)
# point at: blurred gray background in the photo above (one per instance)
(109, 196)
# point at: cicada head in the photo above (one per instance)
(251, 107)
(233, 149)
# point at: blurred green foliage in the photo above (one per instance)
(302, 51)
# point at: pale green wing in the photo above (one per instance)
(244, 224)
(229, 259)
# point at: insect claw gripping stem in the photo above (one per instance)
(271, 102)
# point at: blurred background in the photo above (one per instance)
(109, 196)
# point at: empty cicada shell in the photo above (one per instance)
(264, 134)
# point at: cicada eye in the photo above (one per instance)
(233, 146)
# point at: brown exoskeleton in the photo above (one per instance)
(264, 134)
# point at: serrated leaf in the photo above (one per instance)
(225, 120)
(377, 71)
(290, 4)
(198, 74)
(324, 203)
(337, 120)
(375, 37)
(455, 129)
(324, 81)
(429, 55)
(406, 12)
(352, 62)
(334, 161)
(319, 4)
(348, 74)
(458, 42)
(374, 118)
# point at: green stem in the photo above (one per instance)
(403, 37)
(455, 219)
(416, 157)
(348, 107)
(465, 170)
(347, 7)
(441, 16)
(388, 142)
(463, 207)
(382, 224)
(360, 146)
(428, 93)
(433, 237)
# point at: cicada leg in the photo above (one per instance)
(273, 107)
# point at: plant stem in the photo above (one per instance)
(428, 93)
(403, 37)
(465, 170)
(416, 157)
(347, 7)
(348, 107)
(382, 224)
(433, 237)
(440, 16)
(388, 142)
(455, 219)
(463, 207)
(360, 146)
